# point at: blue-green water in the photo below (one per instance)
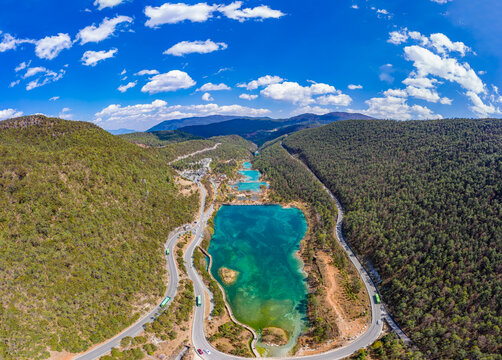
(251, 181)
(260, 241)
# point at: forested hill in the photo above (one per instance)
(423, 202)
(83, 216)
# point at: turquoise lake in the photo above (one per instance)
(251, 181)
(260, 241)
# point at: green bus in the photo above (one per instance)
(165, 301)
(198, 300)
(167, 251)
(377, 299)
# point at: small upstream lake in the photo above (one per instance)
(251, 179)
(260, 242)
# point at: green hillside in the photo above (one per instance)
(423, 202)
(158, 138)
(83, 216)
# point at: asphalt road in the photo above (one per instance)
(194, 153)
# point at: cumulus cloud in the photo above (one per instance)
(101, 4)
(174, 13)
(146, 115)
(22, 66)
(99, 33)
(65, 114)
(234, 11)
(337, 100)
(50, 46)
(9, 113)
(171, 81)
(295, 93)
(33, 71)
(438, 41)
(124, 88)
(427, 63)
(397, 108)
(45, 76)
(398, 37)
(9, 42)
(14, 83)
(213, 87)
(91, 58)
(190, 47)
(479, 107)
(248, 96)
(262, 81)
(169, 13)
(207, 97)
(355, 87)
(147, 72)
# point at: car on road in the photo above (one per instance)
(207, 351)
(200, 351)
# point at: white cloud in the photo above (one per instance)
(248, 96)
(396, 93)
(34, 71)
(262, 81)
(99, 33)
(213, 87)
(54, 98)
(123, 72)
(9, 113)
(392, 107)
(355, 7)
(355, 87)
(14, 83)
(50, 46)
(189, 47)
(304, 95)
(443, 44)
(101, 4)
(9, 42)
(91, 58)
(337, 100)
(46, 77)
(479, 107)
(420, 82)
(175, 13)
(65, 114)
(428, 63)
(310, 110)
(207, 97)
(22, 66)
(441, 1)
(124, 88)
(423, 94)
(147, 72)
(142, 116)
(171, 81)
(234, 11)
(398, 37)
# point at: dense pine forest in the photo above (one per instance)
(423, 202)
(83, 216)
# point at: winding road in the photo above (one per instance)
(194, 153)
(172, 289)
(199, 341)
(377, 312)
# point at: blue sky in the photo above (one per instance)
(134, 63)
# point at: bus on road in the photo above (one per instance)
(165, 301)
(198, 300)
(377, 299)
